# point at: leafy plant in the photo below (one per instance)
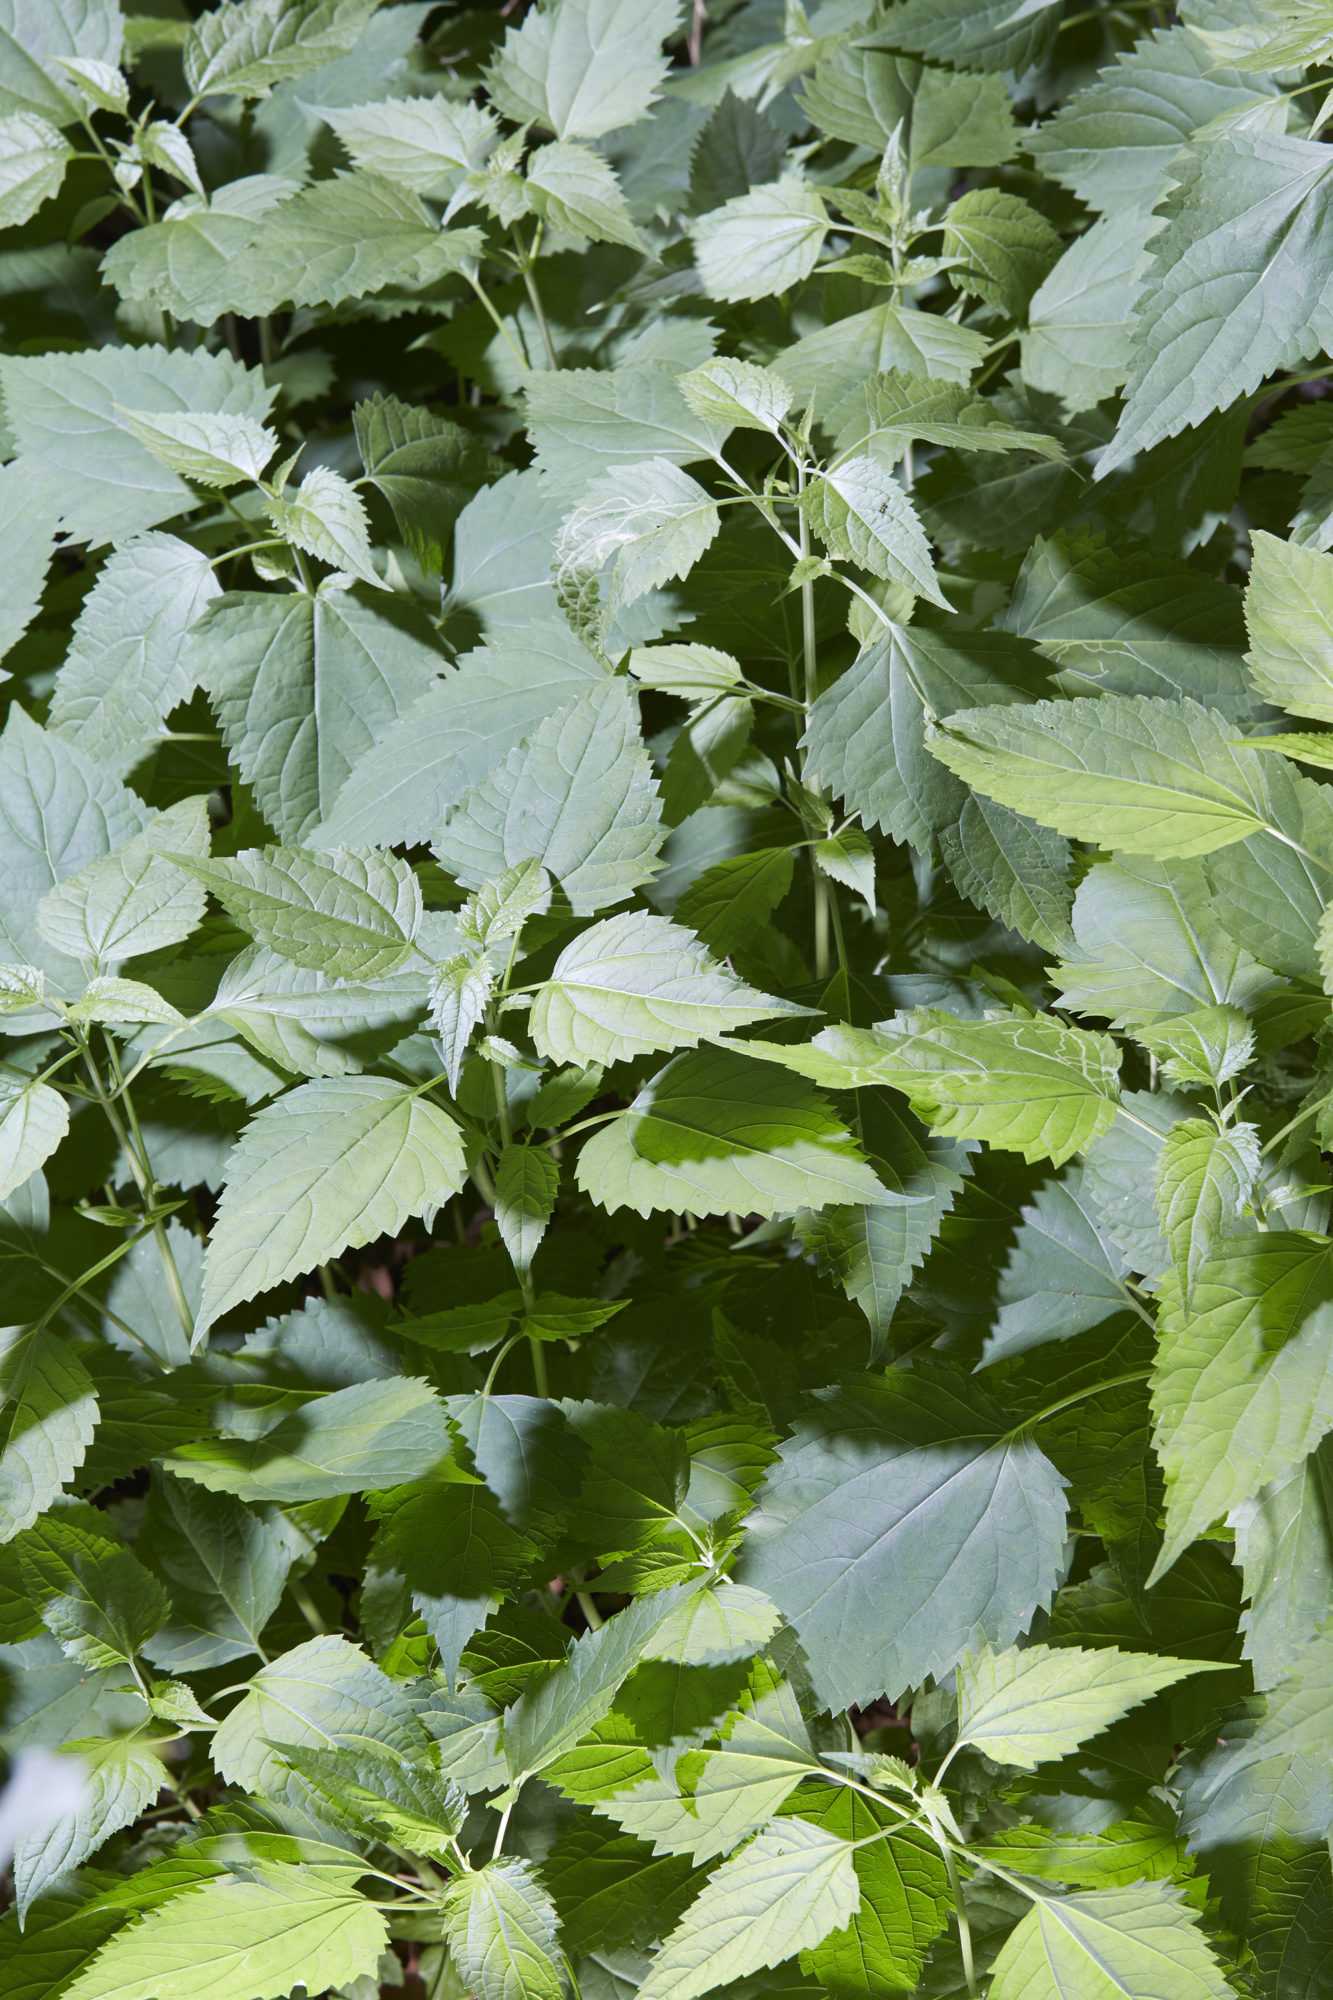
(665, 867)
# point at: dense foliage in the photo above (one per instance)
(664, 861)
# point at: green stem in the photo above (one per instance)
(148, 1189)
(1081, 1396)
(964, 1927)
(811, 689)
(589, 1610)
(1307, 1111)
(525, 257)
(307, 1606)
(499, 324)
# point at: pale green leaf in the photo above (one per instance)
(328, 520)
(649, 521)
(1243, 1388)
(737, 392)
(214, 451)
(459, 992)
(974, 34)
(578, 797)
(583, 67)
(582, 421)
(763, 242)
(226, 1566)
(135, 900)
(1078, 342)
(125, 1000)
(1002, 245)
(1235, 283)
(1203, 1181)
(691, 671)
(503, 1933)
(33, 158)
(715, 1131)
(241, 1939)
(1289, 613)
(121, 1779)
(782, 1894)
(304, 687)
(48, 1409)
(1131, 772)
(319, 1695)
(1027, 1706)
(527, 1180)
(905, 1521)
(92, 1594)
(244, 47)
(353, 915)
(1107, 1943)
(1209, 1045)
(862, 515)
(128, 665)
(636, 983)
(1284, 1545)
(331, 1165)
(33, 1121)
(426, 144)
(62, 410)
(576, 191)
(375, 1434)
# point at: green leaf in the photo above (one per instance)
(136, 900)
(1284, 1544)
(1109, 1941)
(1031, 1705)
(1136, 774)
(650, 522)
(426, 144)
(62, 410)
(904, 1521)
(210, 451)
(713, 1132)
(552, 1713)
(729, 902)
(226, 1568)
(1289, 614)
(636, 983)
(376, 1434)
(1203, 1181)
(283, 1926)
(1113, 141)
(304, 686)
(578, 797)
(584, 67)
(763, 242)
(995, 35)
(1064, 1273)
(335, 1163)
(1149, 947)
(348, 914)
(574, 190)
(883, 698)
(829, 364)
(862, 515)
(33, 159)
(1078, 341)
(244, 47)
(126, 667)
(1016, 1080)
(93, 1596)
(737, 392)
(1132, 623)
(892, 410)
(318, 1695)
(426, 467)
(527, 1180)
(782, 1894)
(121, 1780)
(1004, 246)
(582, 422)
(327, 519)
(460, 989)
(1242, 1390)
(48, 1410)
(502, 1932)
(1234, 285)
(33, 1121)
